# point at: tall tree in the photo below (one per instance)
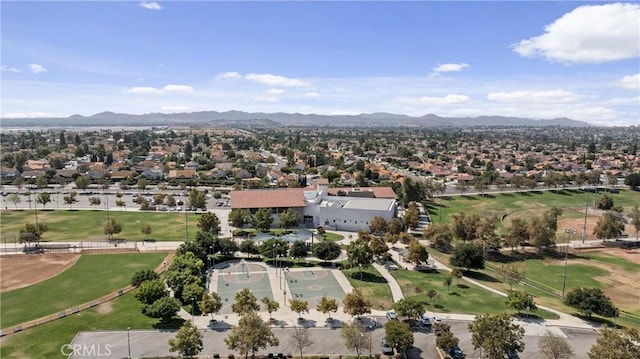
(486, 233)
(15, 199)
(590, 301)
(70, 198)
(94, 201)
(609, 226)
(464, 226)
(378, 246)
(512, 273)
(355, 337)
(301, 338)
(327, 305)
(288, 219)
(520, 301)
(239, 217)
(398, 335)
(553, 346)
(270, 304)
(409, 307)
(378, 225)
(517, 233)
(211, 303)
(412, 216)
(468, 255)
(355, 304)
(146, 230)
(417, 253)
(83, 182)
(209, 222)
(151, 290)
(112, 227)
(250, 335)
(298, 306)
(439, 235)
(43, 198)
(298, 250)
(496, 334)
(262, 219)
(616, 343)
(245, 302)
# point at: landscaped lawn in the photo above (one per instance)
(522, 204)
(88, 225)
(44, 341)
(463, 298)
(91, 277)
(373, 286)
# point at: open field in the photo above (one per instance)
(601, 268)
(373, 286)
(459, 298)
(91, 277)
(44, 341)
(526, 204)
(88, 225)
(19, 271)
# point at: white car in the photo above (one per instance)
(425, 320)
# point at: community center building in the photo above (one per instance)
(341, 209)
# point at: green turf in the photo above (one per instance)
(88, 225)
(463, 298)
(91, 277)
(44, 341)
(622, 263)
(522, 204)
(373, 286)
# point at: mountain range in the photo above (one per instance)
(240, 118)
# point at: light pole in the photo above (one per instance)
(192, 309)
(586, 209)
(570, 232)
(274, 258)
(128, 343)
(280, 273)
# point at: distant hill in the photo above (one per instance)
(235, 118)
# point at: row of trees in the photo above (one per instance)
(262, 218)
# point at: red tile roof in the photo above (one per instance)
(268, 198)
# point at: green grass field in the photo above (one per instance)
(91, 277)
(523, 204)
(373, 286)
(459, 298)
(88, 225)
(44, 341)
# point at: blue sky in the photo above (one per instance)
(529, 59)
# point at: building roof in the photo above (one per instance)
(376, 192)
(268, 198)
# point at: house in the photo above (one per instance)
(9, 173)
(182, 174)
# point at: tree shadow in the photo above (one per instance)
(525, 194)
(368, 277)
(463, 286)
(490, 196)
(455, 294)
(470, 198)
(480, 276)
(506, 194)
(169, 324)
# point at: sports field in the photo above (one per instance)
(91, 277)
(237, 276)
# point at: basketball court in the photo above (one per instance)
(311, 284)
(240, 275)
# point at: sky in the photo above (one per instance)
(535, 59)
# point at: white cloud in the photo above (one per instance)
(443, 101)
(228, 75)
(631, 82)
(275, 91)
(151, 5)
(275, 80)
(588, 34)
(450, 68)
(36, 68)
(26, 115)
(147, 90)
(177, 88)
(312, 94)
(6, 68)
(175, 108)
(144, 90)
(550, 96)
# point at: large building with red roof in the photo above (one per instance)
(343, 209)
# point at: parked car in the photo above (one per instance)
(392, 315)
(386, 349)
(455, 352)
(512, 354)
(425, 321)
